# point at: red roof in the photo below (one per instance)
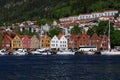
(60, 35)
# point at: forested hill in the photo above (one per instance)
(20, 10)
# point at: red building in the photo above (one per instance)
(96, 41)
(26, 42)
(84, 40)
(73, 42)
(104, 42)
(6, 42)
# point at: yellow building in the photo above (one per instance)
(45, 41)
(16, 42)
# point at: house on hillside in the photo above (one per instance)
(92, 15)
(23, 27)
(45, 28)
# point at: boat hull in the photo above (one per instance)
(110, 53)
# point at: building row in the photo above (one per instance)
(14, 41)
(89, 16)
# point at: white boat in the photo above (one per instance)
(3, 52)
(20, 52)
(90, 50)
(66, 52)
(110, 51)
(41, 51)
(35, 52)
(44, 51)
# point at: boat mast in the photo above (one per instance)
(109, 45)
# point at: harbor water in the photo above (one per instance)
(60, 67)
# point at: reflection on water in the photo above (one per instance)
(54, 67)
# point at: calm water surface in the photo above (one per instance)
(56, 67)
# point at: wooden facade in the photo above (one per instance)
(16, 42)
(84, 40)
(26, 42)
(45, 41)
(6, 42)
(34, 42)
(96, 41)
(73, 42)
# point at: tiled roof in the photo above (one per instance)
(60, 35)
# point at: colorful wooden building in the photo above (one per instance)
(16, 42)
(73, 42)
(104, 42)
(34, 42)
(84, 40)
(6, 42)
(96, 41)
(45, 41)
(26, 42)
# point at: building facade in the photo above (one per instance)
(84, 40)
(16, 42)
(73, 42)
(45, 41)
(63, 43)
(26, 42)
(34, 42)
(89, 16)
(96, 41)
(6, 42)
(54, 43)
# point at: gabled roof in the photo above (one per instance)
(55, 37)
(95, 36)
(74, 36)
(25, 36)
(104, 37)
(8, 37)
(17, 36)
(86, 36)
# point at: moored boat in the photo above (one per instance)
(90, 50)
(110, 51)
(3, 52)
(66, 52)
(20, 52)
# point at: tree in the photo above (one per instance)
(54, 31)
(115, 38)
(26, 32)
(76, 30)
(91, 31)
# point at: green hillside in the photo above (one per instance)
(20, 10)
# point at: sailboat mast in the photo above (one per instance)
(109, 45)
